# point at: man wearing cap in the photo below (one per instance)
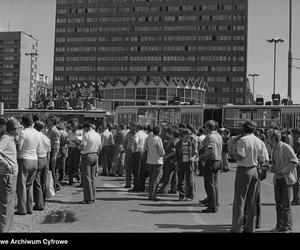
(8, 174)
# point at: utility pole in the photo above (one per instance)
(290, 55)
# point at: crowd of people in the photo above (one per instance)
(170, 157)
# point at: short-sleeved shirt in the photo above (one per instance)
(251, 148)
(213, 142)
(28, 141)
(54, 136)
(287, 155)
(44, 146)
(91, 141)
(8, 155)
(155, 150)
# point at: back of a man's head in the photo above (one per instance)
(211, 125)
(249, 127)
(39, 125)
(27, 120)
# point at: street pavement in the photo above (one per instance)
(117, 210)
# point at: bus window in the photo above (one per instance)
(297, 120)
(131, 118)
(287, 121)
(168, 116)
(185, 119)
(122, 119)
(147, 116)
(236, 117)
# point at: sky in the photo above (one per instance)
(266, 19)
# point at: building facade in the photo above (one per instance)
(18, 69)
(150, 40)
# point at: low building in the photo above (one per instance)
(141, 93)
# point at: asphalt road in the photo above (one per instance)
(117, 210)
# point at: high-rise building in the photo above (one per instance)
(18, 68)
(144, 40)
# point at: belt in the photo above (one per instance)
(73, 148)
(42, 157)
(213, 160)
(254, 166)
(89, 153)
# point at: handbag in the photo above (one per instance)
(50, 191)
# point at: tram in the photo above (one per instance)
(229, 116)
(167, 115)
(97, 116)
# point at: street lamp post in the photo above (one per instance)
(275, 41)
(32, 54)
(253, 77)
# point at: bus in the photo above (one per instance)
(96, 116)
(229, 116)
(167, 115)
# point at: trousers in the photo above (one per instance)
(26, 175)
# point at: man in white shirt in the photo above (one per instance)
(27, 145)
(138, 163)
(43, 153)
(90, 148)
(155, 153)
(8, 174)
(249, 153)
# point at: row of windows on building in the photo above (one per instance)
(149, 8)
(225, 90)
(149, 38)
(152, 39)
(151, 68)
(9, 50)
(9, 66)
(170, 18)
(236, 100)
(148, 59)
(148, 48)
(161, 28)
(9, 42)
(162, 94)
(213, 79)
